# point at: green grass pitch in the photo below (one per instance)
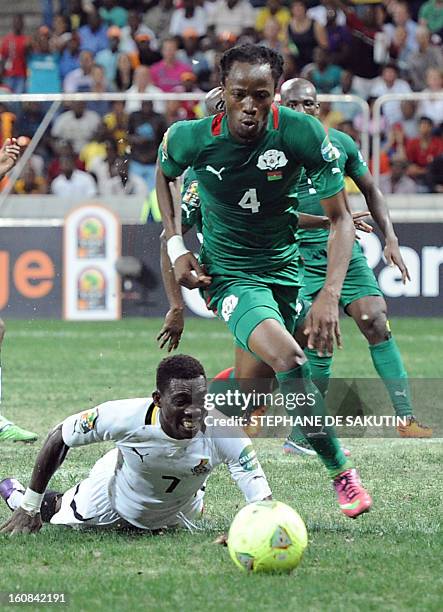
(389, 559)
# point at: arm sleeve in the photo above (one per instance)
(177, 149)
(310, 145)
(240, 457)
(109, 421)
(355, 164)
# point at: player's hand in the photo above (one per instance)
(22, 522)
(322, 324)
(9, 154)
(394, 258)
(361, 225)
(172, 329)
(189, 273)
(222, 539)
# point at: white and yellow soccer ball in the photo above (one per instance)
(267, 536)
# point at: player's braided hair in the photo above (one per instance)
(252, 54)
(178, 366)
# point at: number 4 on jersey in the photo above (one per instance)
(249, 200)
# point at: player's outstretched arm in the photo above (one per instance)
(310, 222)
(322, 323)
(187, 270)
(174, 322)
(26, 519)
(380, 213)
(9, 154)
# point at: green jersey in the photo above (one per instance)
(247, 191)
(351, 163)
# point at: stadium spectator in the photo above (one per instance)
(43, 65)
(422, 151)
(98, 85)
(76, 125)
(80, 79)
(322, 73)
(116, 123)
(62, 148)
(396, 181)
(361, 56)
(77, 14)
(167, 73)
(145, 132)
(30, 183)
(188, 16)
(61, 33)
(125, 72)
(304, 34)
(158, 18)
(13, 51)
(431, 16)
(108, 58)
(147, 50)
(402, 20)
(395, 145)
(73, 183)
(236, 16)
(409, 118)
(112, 177)
(348, 110)
(339, 38)
(321, 10)
(70, 56)
(389, 82)
(113, 14)
(399, 50)
(329, 117)
(192, 54)
(275, 12)
(434, 84)
(93, 35)
(47, 8)
(188, 109)
(135, 28)
(143, 84)
(95, 148)
(271, 36)
(427, 56)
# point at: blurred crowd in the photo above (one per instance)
(153, 46)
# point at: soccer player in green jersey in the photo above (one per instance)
(9, 154)
(361, 296)
(248, 163)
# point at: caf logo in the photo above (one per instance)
(91, 290)
(91, 238)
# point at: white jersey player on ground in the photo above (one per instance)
(156, 475)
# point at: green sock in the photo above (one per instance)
(389, 366)
(327, 446)
(320, 370)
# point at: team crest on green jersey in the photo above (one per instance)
(272, 160)
(328, 151)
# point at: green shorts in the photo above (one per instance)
(243, 301)
(359, 282)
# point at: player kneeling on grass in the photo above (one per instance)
(156, 475)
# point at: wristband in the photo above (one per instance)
(176, 248)
(31, 501)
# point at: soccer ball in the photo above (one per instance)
(267, 536)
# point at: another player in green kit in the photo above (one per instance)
(360, 296)
(248, 162)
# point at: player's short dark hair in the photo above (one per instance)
(252, 54)
(178, 366)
